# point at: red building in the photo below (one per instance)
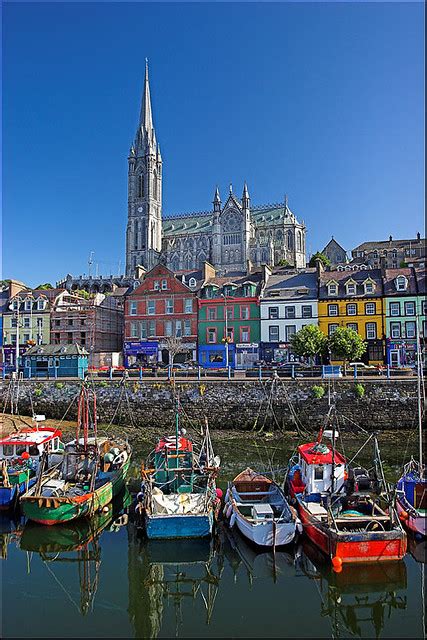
(160, 320)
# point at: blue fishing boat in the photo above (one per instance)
(178, 497)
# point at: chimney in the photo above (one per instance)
(266, 272)
(15, 287)
(249, 266)
(390, 238)
(383, 265)
(208, 271)
(319, 266)
(418, 236)
(140, 271)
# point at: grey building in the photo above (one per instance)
(335, 252)
(390, 253)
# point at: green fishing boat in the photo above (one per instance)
(92, 473)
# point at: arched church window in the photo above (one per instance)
(298, 240)
(155, 186)
(141, 186)
(290, 239)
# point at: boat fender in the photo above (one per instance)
(299, 524)
(404, 515)
(337, 564)
(232, 519)
(229, 511)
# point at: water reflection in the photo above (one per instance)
(359, 598)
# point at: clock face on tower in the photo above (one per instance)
(139, 209)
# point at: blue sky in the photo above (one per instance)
(322, 101)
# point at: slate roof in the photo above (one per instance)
(239, 281)
(292, 285)
(421, 275)
(389, 244)
(57, 350)
(390, 276)
(341, 278)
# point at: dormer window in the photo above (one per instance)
(156, 285)
(41, 304)
(192, 282)
(369, 286)
(350, 288)
(401, 283)
(164, 284)
(28, 304)
(14, 305)
(332, 289)
(228, 290)
(208, 292)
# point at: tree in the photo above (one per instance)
(283, 263)
(319, 256)
(346, 344)
(46, 285)
(174, 346)
(309, 341)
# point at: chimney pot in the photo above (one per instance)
(390, 238)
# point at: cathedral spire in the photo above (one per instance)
(217, 199)
(245, 196)
(146, 117)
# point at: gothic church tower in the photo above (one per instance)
(144, 228)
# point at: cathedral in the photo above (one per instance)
(233, 236)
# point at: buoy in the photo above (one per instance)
(105, 509)
(403, 515)
(219, 493)
(337, 564)
(25, 455)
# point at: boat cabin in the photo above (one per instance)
(174, 466)
(316, 464)
(31, 441)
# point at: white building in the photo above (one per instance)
(288, 303)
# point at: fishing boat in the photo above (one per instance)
(259, 509)
(21, 453)
(178, 496)
(346, 512)
(92, 473)
(411, 488)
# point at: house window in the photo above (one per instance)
(212, 315)
(425, 328)
(132, 309)
(273, 334)
(134, 329)
(369, 287)
(395, 308)
(401, 283)
(169, 305)
(14, 305)
(332, 289)
(178, 329)
(352, 309)
(188, 305)
(26, 323)
(14, 323)
(290, 313)
(395, 329)
(70, 322)
(58, 322)
(228, 290)
(273, 313)
(409, 308)
(245, 333)
(289, 331)
(244, 313)
(332, 328)
(230, 333)
(151, 307)
(70, 338)
(370, 308)
(424, 307)
(211, 335)
(164, 284)
(156, 285)
(352, 325)
(410, 329)
(27, 305)
(332, 309)
(41, 305)
(229, 313)
(318, 473)
(143, 329)
(351, 288)
(13, 338)
(192, 282)
(307, 311)
(151, 328)
(187, 327)
(168, 328)
(26, 337)
(82, 338)
(371, 331)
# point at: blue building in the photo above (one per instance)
(55, 361)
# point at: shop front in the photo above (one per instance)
(189, 352)
(246, 355)
(214, 356)
(277, 352)
(142, 353)
(401, 353)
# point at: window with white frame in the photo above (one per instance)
(187, 327)
(212, 313)
(395, 329)
(244, 313)
(410, 328)
(410, 308)
(229, 312)
(41, 304)
(352, 309)
(369, 287)
(307, 311)
(151, 307)
(332, 328)
(27, 305)
(143, 329)
(371, 331)
(332, 310)
(132, 309)
(169, 305)
(273, 313)
(188, 305)
(401, 283)
(151, 328)
(244, 334)
(352, 325)
(178, 329)
(290, 330)
(424, 307)
(164, 284)
(370, 308)
(290, 312)
(156, 286)
(134, 329)
(168, 328)
(273, 334)
(192, 282)
(395, 309)
(211, 335)
(26, 337)
(332, 289)
(351, 288)
(14, 323)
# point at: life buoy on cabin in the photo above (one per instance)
(170, 443)
(232, 519)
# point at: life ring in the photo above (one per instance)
(170, 443)
(232, 519)
(120, 459)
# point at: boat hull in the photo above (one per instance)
(51, 511)
(263, 534)
(178, 526)
(415, 522)
(353, 546)
(9, 495)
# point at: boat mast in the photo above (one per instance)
(419, 375)
(177, 423)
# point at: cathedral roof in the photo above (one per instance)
(199, 222)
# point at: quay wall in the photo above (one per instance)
(235, 404)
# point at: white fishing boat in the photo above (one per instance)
(259, 509)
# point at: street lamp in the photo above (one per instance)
(225, 339)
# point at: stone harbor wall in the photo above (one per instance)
(240, 405)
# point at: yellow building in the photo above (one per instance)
(354, 299)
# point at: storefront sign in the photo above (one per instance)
(247, 345)
(137, 348)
